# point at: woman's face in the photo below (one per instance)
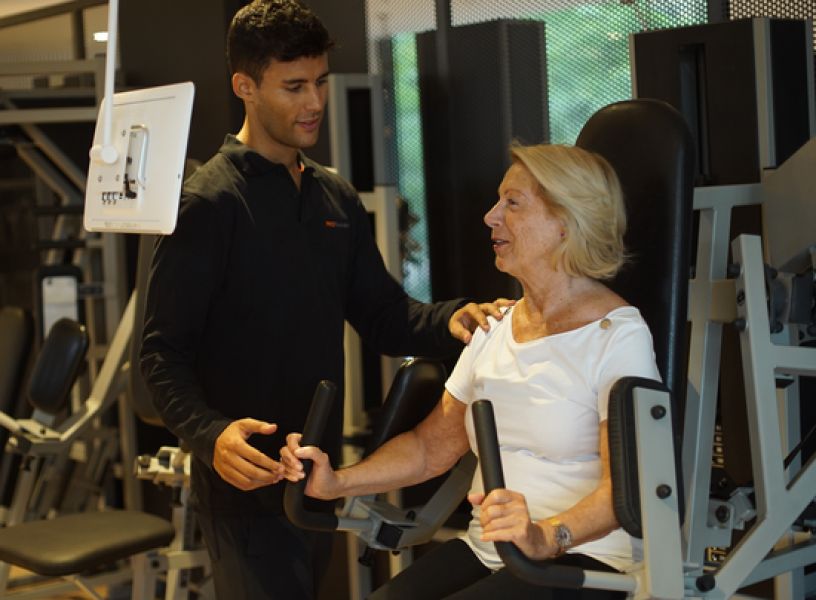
(523, 230)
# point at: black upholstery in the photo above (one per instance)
(16, 334)
(651, 148)
(58, 364)
(81, 542)
(416, 389)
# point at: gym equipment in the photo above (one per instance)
(655, 167)
(766, 307)
(382, 526)
(75, 543)
(70, 544)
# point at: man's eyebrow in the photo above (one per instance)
(303, 79)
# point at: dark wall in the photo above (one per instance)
(345, 21)
(496, 92)
(708, 73)
(165, 42)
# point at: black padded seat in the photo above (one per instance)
(81, 542)
(415, 391)
(58, 364)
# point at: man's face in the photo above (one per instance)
(289, 102)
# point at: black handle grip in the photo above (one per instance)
(536, 572)
(312, 434)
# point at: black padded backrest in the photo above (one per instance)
(142, 402)
(650, 147)
(416, 389)
(16, 334)
(57, 366)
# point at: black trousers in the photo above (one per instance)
(452, 572)
(264, 558)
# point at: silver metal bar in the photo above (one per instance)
(725, 197)
(662, 551)
(789, 585)
(47, 115)
(48, 11)
(766, 137)
(749, 554)
(53, 178)
(58, 157)
(616, 582)
(132, 489)
(715, 205)
(47, 67)
(778, 502)
(81, 584)
(758, 364)
(55, 94)
(17, 510)
(57, 588)
(113, 274)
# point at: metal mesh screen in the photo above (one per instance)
(782, 9)
(587, 67)
(390, 27)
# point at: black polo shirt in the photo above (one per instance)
(246, 303)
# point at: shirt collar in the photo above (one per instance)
(252, 163)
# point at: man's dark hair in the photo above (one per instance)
(282, 30)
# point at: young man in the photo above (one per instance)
(247, 299)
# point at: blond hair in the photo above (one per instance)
(582, 190)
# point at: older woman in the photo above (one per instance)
(547, 366)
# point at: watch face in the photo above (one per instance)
(563, 536)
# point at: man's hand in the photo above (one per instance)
(323, 481)
(464, 321)
(505, 518)
(240, 464)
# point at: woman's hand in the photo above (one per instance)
(323, 481)
(505, 518)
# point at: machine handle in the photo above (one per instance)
(312, 434)
(543, 572)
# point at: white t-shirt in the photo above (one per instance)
(549, 396)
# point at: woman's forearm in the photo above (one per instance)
(426, 451)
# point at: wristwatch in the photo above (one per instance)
(563, 536)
